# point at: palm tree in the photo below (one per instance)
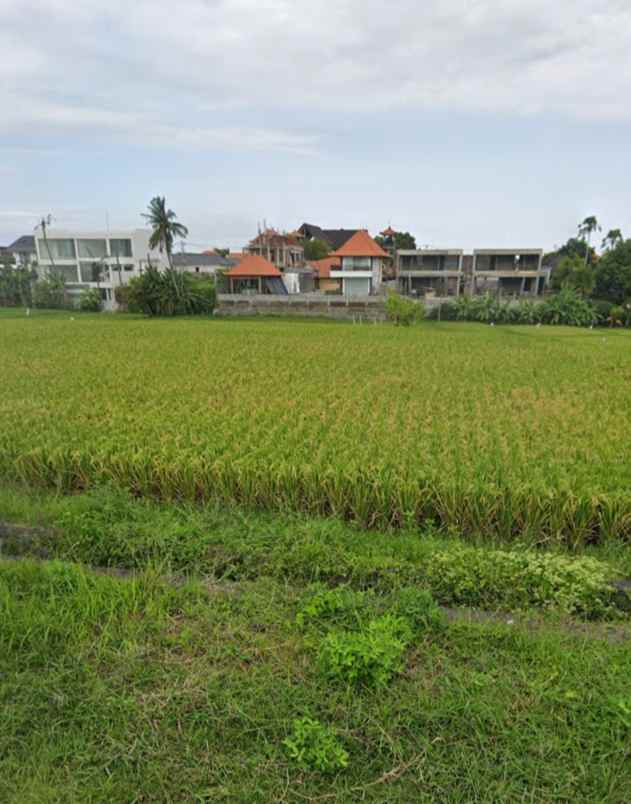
(164, 227)
(614, 236)
(585, 230)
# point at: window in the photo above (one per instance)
(56, 249)
(67, 272)
(94, 249)
(356, 264)
(120, 247)
(94, 272)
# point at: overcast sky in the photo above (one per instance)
(467, 122)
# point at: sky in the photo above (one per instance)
(470, 123)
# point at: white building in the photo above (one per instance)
(101, 260)
(361, 265)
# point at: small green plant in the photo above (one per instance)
(314, 746)
(329, 604)
(401, 311)
(418, 607)
(369, 657)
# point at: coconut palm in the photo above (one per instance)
(585, 231)
(164, 227)
(614, 236)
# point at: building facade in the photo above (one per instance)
(361, 265)
(101, 260)
(423, 272)
(508, 272)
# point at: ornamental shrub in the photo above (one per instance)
(403, 311)
(90, 300)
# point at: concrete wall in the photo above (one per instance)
(305, 304)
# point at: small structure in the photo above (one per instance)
(362, 262)
(508, 271)
(425, 271)
(323, 281)
(206, 263)
(255, 274)
(283, 250)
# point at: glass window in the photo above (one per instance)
(67, 272)
(94, 272)
(120, 247)
(57, 249)
(92, 248)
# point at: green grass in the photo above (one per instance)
(109, 528)
(133, 690)
(510, 432)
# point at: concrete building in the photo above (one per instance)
(423, 272)
(508, 271)
(362, 262)
(323, 281)
(101, 260)
(282, 250)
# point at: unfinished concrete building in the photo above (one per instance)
(282, 250)
(508, 272)
(430, 272)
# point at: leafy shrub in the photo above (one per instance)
(475, 577)
(325, 604)
(568, 307)
(402, 311)
(314, 746)
(613, 274)
(121, 294)
(49, 293)
(90, 300)
(170, 292)
(371, 656)
(418, 607)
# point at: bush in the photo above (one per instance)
(368, 657)
(568, 307)
(402, 311)
(613, 274)
(170, 292)
(90, 300)
(314, 746)
(49, 293)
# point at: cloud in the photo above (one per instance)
(240, 74)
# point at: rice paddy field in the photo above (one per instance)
(508, 432)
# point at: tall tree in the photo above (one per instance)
(587, 228)
(164, 227)
(613, 237)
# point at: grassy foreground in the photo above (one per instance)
(143, 689)
(509, 431)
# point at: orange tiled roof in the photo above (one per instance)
(361, 244)
(254, 265)
(389, 232)
(324, 266)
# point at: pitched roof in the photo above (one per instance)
(389, 232)
(24, 243)
(361, 244)
(253, 265)
(334, 237)
(324, 266)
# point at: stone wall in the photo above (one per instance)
(316, 305)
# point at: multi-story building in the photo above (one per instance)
(361, 265)
(430, 271)
(22, 251)
(282, 250)
(101, 260)
(508, 271)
